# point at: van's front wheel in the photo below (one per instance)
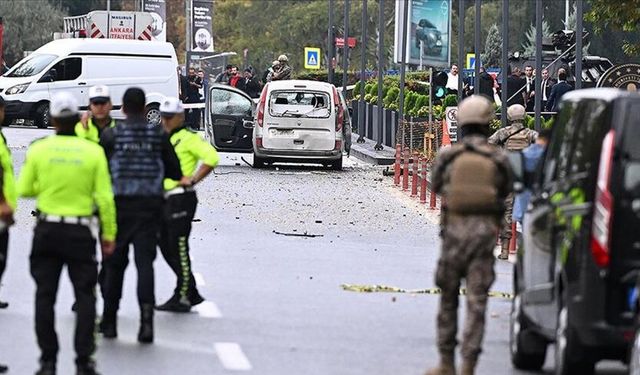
(41, 116)
(152, 114)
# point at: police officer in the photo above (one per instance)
(181, 202)
(100, 114)
(473, 178)
(284, 69)
(140, 157)
(8, 198)
(515, 137)
(68, 176)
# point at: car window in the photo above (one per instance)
(68, 69)
(310, 104)
(229, 103)
(589, 134)
(31, 66)
(557, 154)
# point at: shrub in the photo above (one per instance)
(450, 100)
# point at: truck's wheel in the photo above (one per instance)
(528, 351)
(41, 117)
(152, 114)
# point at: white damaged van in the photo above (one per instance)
(74, 65)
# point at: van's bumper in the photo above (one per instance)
(17, 109)
(297, 155)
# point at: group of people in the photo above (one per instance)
(116, 183)
(246, 82)
(475, 180)
(192, 90)
(520, 89)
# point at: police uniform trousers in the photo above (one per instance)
(54, 246)
(138, 224)
(467, 253)
(507, 220)
(179, 211)
(4, 247)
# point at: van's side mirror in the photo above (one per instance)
(516, 159)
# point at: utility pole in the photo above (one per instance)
(578, 66)
(345, 57)
(403, 66)
(330, 43)
(363, 78)
(538, 82)
(379, 125)
(505, 62)
(476, 65)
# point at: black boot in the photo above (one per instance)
(176, 304)
(47, 368)
(145, 335)
(108, 324)
(195, 298)
(86, 368)
(3, 369)
(4, 305)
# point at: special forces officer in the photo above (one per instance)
(473, 178)
(181, 202)
(68, 176)
(100, 118)
(515, 137)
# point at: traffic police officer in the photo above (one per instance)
(181, 201)
(140, 157)
(473, 178)
(515, 137)
(100, 114)
(68, 176)
(8, 200)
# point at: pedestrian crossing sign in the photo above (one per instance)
(311, 58)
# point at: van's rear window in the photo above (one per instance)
(299, 104)
(631, 143)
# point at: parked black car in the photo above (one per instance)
(430, 36)
(581, 240)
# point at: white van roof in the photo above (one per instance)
(63, 47)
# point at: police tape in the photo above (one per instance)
(391, 289)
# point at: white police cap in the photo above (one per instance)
(171, 106)
(99, 93)
(63, 105)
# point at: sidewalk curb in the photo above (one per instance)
(366, 152)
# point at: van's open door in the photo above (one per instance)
(229, 119)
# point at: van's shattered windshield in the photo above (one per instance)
(300, 104)
(31, 66)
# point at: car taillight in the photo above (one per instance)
(339, 110)
(261, 105)
(338, 145)
(259, 143)
(603, 209)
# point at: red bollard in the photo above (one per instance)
(423, 181)
(432, 199)
(514, 238)
(396, 166)
(405, 172)
(414, 180)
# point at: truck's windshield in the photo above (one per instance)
(31, 66)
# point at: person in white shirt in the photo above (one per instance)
(453, 77)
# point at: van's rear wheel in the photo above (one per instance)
(528, 350)
(259, 162)
(152, 114)
(337, 164)
(41, 116)
(569, 354)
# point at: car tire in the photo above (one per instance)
(152, 114)
(337, 164)
(634, 357)
(528, 350)
(41, 116)
(569, 356)
(259, 162)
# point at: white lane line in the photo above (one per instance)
(208, 309)
(232, 357)
(199, 279)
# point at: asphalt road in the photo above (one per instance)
(275, 305)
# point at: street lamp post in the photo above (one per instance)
(578, 66)
(363, 78)
(476, 47)
(538, 82)
(330, 43)
(403, 67)
(378, 146)
(345, 56)
(505, 62)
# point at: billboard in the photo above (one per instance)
(158, 10)
(121, 25)
(202, 26)
(428, 32)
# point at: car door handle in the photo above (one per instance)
(82, 83)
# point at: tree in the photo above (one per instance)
(492, 55)
(530, 45)
(616, 15)
(27, 26)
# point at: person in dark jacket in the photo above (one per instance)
(515, 84)
(249, 84)
(140, 158)
(558, 90)
(486, 85)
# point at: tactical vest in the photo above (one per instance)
(518, 139)
(136, 165)
(472, 188)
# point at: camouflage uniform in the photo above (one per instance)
(284, 72)
(467, 253)
(513, 138)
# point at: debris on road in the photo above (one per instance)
(392, 289)
(305, 234)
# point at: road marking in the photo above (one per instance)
(208, 309)
(232, 357)
(199, 279)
